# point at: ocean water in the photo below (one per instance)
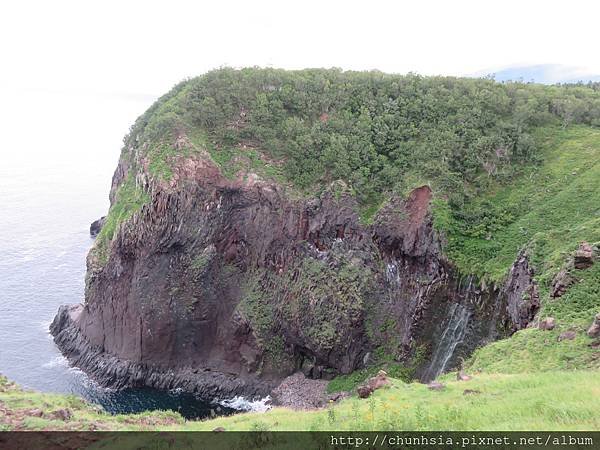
(57, 155)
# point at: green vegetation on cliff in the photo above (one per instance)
(377, 132)
(533, 350)
(548, 210)
(471, 140)
(128, 200)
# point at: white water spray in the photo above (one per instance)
(452, 336)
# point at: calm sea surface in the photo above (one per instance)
(57, 156)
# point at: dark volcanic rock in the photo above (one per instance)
(521, 293)
(96, 226)
(364, 391)
(118, 373)
(225, 287)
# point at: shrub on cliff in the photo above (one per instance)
(375, 131)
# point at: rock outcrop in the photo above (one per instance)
(568, 335)
(561, 282)
(377, 382)
(594, 329)
(521, 293)
(227, 286)
(549, 323)
(584, 256)
(96, 226)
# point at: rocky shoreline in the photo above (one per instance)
(112, 372)
(295, 392)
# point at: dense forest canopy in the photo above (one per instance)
(377, 132)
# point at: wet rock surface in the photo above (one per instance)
(118, 373)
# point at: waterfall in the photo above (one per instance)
(453, 335)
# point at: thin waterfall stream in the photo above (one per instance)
(452, 336)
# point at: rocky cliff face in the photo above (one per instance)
(222, 287)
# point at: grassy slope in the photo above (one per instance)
(549, 211)
(548, 401)
(533, 350)
(554, 400)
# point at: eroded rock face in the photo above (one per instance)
(225, 287)
(521, 293)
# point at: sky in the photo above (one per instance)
(142, 48)
(74, 75)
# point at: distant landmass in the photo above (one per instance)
(542, 73)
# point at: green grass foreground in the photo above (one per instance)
(556, 400)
